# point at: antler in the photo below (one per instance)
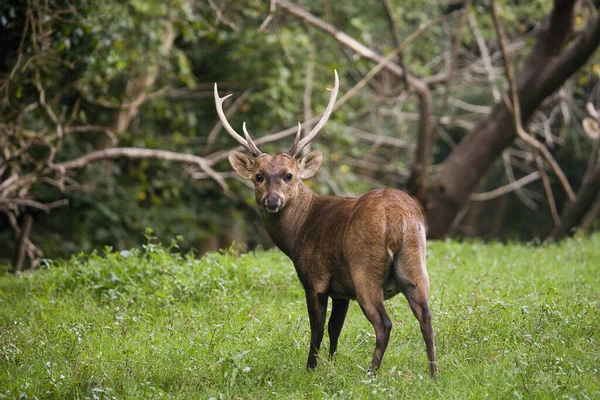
(297, 146)
(247, 143)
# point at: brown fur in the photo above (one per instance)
(366, 249)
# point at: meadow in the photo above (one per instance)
(511, 320)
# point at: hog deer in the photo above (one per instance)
(367, 249)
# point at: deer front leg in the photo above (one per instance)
(317, 311)
(339, 309)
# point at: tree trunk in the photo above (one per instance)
(22, 249)
(575, 211)
(495, 230)
(591, 216)
(546, 69)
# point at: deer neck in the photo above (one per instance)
(285, 227)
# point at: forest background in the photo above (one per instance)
(108, 123)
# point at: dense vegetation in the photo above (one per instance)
(512, 321)
(85, 76)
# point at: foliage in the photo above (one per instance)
(96, 59)
(515, 320)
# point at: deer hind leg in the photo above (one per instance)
(339, 309)
(419, 305)
(370, 299)
(411, 273)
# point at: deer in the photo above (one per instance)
(367, 249)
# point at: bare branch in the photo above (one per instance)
(474, 108)
(269, 17)
(516, 108)
(379, 139)
(550, 196)
(221, 18)
(502, 190)
(417, 85)
(93, 128)
(451, 68)
(373, 166)
(34, 204)
(508, 170)
(485, 56)
(216, 157)
(135, 153)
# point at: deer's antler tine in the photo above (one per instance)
(253, 148)
(247, 143)
(298, 146)
(292, 149)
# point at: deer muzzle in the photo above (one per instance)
(273, 202)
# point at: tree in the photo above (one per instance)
(550, 63)
(109, 107)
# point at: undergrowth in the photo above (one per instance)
(511, 321)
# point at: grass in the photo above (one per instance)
(512, 321)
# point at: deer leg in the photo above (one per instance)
(317, 311)
(417, 299)
(339, 309)
(371, 303)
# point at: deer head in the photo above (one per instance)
(276, 180)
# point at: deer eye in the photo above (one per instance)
(259, 178)
(288, 177)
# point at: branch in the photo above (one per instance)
(392, 22)
(415, 84)
(379, 139)
(511, 187)
(214, 158)
(508, 170)
(34, 204)
(516, 108)
(221, 18)
(135, 153)
(269, 17)
(93, 128)
(540, 165)
(473, 108)
(419, 170)
(451, 68)
(485, 56)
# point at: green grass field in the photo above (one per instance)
(512, 321)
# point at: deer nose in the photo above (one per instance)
(272, 202)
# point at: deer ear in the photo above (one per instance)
(241, 164)
(310, 164)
